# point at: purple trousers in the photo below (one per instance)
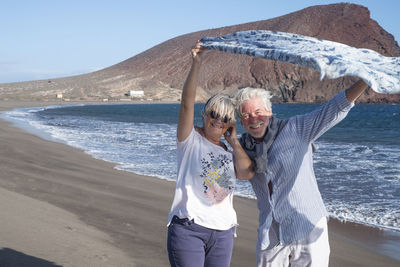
(192, 245)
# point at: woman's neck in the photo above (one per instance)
(216, 140)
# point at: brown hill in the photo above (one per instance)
(161, 70)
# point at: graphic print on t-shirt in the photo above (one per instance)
(216, 180)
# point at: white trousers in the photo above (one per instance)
(312, 251)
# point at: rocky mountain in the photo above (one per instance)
(161, 71)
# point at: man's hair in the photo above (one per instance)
(223, 104)
(247, 93)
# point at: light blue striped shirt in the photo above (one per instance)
(296, 203)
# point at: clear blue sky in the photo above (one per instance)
(42, 39)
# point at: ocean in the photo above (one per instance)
(357, 163)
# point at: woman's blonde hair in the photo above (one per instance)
(221, 103)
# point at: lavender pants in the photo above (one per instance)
(190, 244)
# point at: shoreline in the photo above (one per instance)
(129, 211)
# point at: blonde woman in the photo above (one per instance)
(202, 220)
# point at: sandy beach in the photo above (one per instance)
(61, 207)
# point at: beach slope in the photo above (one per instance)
(61, 207)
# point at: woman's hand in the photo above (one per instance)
(231, 136)
(186, 111)
(244, 168)
(197, 52)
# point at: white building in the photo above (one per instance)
(134, 93)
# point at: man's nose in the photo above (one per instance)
(253, 116)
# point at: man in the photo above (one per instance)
(293, 218)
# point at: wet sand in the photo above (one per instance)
(61, 207)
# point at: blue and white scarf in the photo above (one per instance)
(331, 59)
(258, 151)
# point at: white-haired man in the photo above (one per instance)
(293, 218)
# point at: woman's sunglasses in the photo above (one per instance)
(214, 115)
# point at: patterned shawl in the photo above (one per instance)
(331, 59)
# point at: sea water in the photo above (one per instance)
(357, 162)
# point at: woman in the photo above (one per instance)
(202, 221)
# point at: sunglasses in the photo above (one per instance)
(214, 115)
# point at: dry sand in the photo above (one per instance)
(61, 207)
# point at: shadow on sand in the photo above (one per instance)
(12, 258)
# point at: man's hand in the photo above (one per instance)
(357, 89)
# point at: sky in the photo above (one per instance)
(45, 39)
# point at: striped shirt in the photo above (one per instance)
(296, 204)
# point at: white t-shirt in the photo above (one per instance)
(205, 184)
